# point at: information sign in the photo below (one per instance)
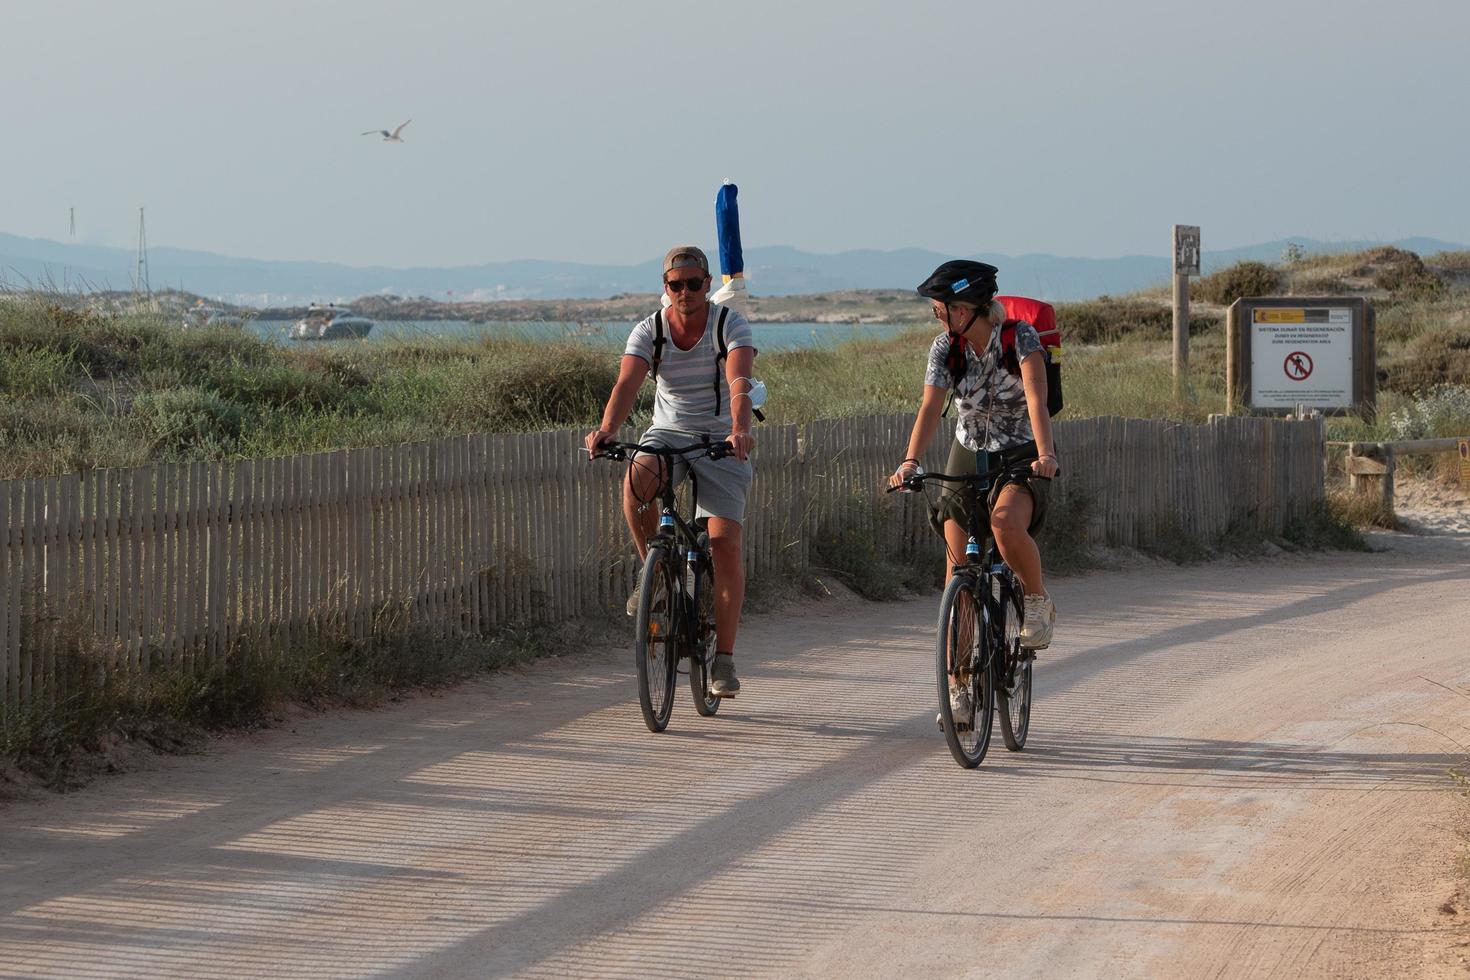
(1301, 356)
(1186, 250)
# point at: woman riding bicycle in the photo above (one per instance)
(1000, 402)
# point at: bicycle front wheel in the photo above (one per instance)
(702, 653)
(656, 641)
(963, 664)
(1012, 671)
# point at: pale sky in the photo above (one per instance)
(599, 132)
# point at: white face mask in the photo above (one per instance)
(757, 393)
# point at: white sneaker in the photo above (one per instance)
(960, 709)
(1037, 621)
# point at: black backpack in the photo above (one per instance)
(721, 352)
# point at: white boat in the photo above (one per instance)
(329, 322)
(209, 316)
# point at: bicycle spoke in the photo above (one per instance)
(701, 658)
(964, 718)
(1015, 697)
(656, 642)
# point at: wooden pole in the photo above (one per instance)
(1185, 252)
(1181, 333)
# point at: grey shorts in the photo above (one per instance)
(723, 483)
(954, 500)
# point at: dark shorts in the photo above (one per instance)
(953, 499)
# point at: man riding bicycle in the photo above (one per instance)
(702, 356)
(1000, 398)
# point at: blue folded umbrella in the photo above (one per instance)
(727, 227)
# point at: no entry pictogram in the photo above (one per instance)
(1298, 365)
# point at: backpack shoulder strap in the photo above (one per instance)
(1008, 346)
(658, 342)
(721, 351)
(957, 364)
(955, 360)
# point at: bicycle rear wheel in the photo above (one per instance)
(702, 655)
(962, 641)
(656, 641)
(1012, 670)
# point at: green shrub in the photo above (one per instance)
(188, 423)
(1346, 511)
(1404, 273)
(1106, 320)
(848, 548)
(1433, 358)
(1439, 413)
(29, 372)
(1063, 538)
(46, 436)
(340, 369)
(41, 421)
(276, 385)
(1239, 281)
(200, 350)
(1318, 283)
(170, 706)
(567, 384)
(1401, 318)
(110, 346)
(1329, 525)
(1452, 263)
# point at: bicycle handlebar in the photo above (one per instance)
(915, 483)
(619, 451)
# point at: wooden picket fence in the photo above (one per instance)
(175, 564)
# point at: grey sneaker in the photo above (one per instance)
(722, 680)
(636, 594)
(960, 709)
(1036, 622)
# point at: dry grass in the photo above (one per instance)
(1360, 510)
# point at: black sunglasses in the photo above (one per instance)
(694, 285)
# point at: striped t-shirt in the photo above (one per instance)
(685, 397)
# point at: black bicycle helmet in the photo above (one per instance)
(962, 281)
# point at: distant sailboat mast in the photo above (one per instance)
(66, 269)
(140, 283)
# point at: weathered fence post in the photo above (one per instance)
(1370, 468)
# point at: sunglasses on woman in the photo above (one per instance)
(677, 286)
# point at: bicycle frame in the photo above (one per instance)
(680, 538)
(980, 565)
(992, 667)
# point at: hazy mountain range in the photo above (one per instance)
(772, 270)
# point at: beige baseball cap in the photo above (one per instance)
(685, 257)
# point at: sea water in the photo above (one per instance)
(768, 336)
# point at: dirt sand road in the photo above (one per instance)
(1234, 770)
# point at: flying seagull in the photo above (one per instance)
(388, 137)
